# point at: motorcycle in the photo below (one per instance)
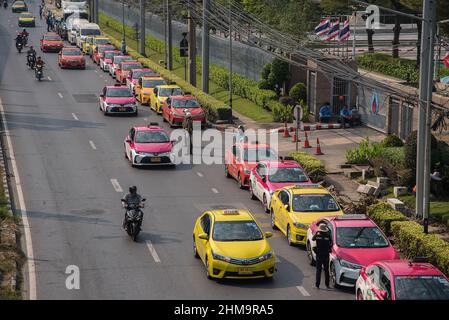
(39, 72)
(31, 61)
(19, 46)
(134, 217)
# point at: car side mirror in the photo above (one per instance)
(203, 236)
(101, 95)
(268, 234)
(287, 207)
(264, 178)
(173, 141)
(143, 200)
(128, 140)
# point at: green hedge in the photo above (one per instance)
(383, 215)
(312, 166)
(385, 64)
(242, 87)
(413, 242)
(214, 108)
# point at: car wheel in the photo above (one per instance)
(239, 180)
(265, 204)
(251, 193)
(359, 295)
(228, 175)
(333, 276)
(195, 252)
(273, 221)
(310, 254)
(289, 236)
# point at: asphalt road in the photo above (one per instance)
(67, 152)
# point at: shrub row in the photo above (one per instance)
(409, 236)
(242, 86)
(313, 167)
(385, 64)
(215, 109)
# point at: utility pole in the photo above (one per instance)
(96, 11)
(165, 34)
(230, 58)
(91, 10)
(354, 36)
(422, 115)
(123, 47)
(169, 38)
(192, 48)
(142, 28)
(430, 17)
(205, 47)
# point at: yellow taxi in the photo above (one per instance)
(26, 19)
(87, 44)
(96, 41)
(19, 6)
(145, 86)
(294, 208)
(161, 93)
(231, 245)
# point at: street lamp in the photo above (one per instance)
(123, 25)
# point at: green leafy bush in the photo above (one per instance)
(399, 68)
(392, 140)
(363, 152)
(413, 242)
(444, 72)
(313, 167)
(298, 92)
(383, 215)
(395, 156)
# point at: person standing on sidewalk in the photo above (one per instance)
(322, 249)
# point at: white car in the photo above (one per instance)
(106, 61)
(270, 175)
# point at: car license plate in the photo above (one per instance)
(156, 159)
(122, 109)
(245, 271)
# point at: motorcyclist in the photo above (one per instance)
(130, 200)
(25, 35)
(40, 62)
(31, 54)
(19, 38)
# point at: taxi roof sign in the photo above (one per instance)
(352, 217)
(231, 211)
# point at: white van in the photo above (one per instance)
(88, 29)
(73, 27)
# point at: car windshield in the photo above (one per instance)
(185, 104)
(118, 92)
(140, 74)
(102, 41)
(284, 175)
(151, 137)
(153, 83)
(360, 237)
(90, 32)
(110, 55)
(103, 49)
(72, 52)
(52, 38)
(166, 92)
(117, 60)
(259, 154)
(314, 203)
(236, 231)
(421, 288)
(128, 67)
(26, 15)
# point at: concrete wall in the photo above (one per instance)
(247, 61)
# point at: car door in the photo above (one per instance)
(103, 98)
(279, 210)
(130, 143)
(260, 180)
(235, 159)
(253, 180)
(166, 109)
(385, 283)
(285, 209)
(372, 283)
(138, 89)
(205, 227)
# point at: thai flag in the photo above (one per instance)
(446, 60)
(345, 32)
(323, 27)
(333, 31)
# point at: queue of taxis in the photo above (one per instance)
(161, 93)
(231, 244)
(145, 86)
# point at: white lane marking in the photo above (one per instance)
(49, 78)
(153, 251)
(23, 210)
(116, 185)
(75, 117)
(92, 145)
(200, 174)
(214, 190)
(303, 291)
(60, 95)
(105, 80)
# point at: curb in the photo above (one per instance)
(311, 127)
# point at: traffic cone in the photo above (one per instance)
(295, 137)
(318, 148)
(286, 132)
(306, 142)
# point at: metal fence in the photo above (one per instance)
(247, 61)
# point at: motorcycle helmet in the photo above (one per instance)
(132, 189)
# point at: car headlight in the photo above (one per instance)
(349, 265)
(266, 256)
(247, 171)
(300, 225)
(217, 256)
